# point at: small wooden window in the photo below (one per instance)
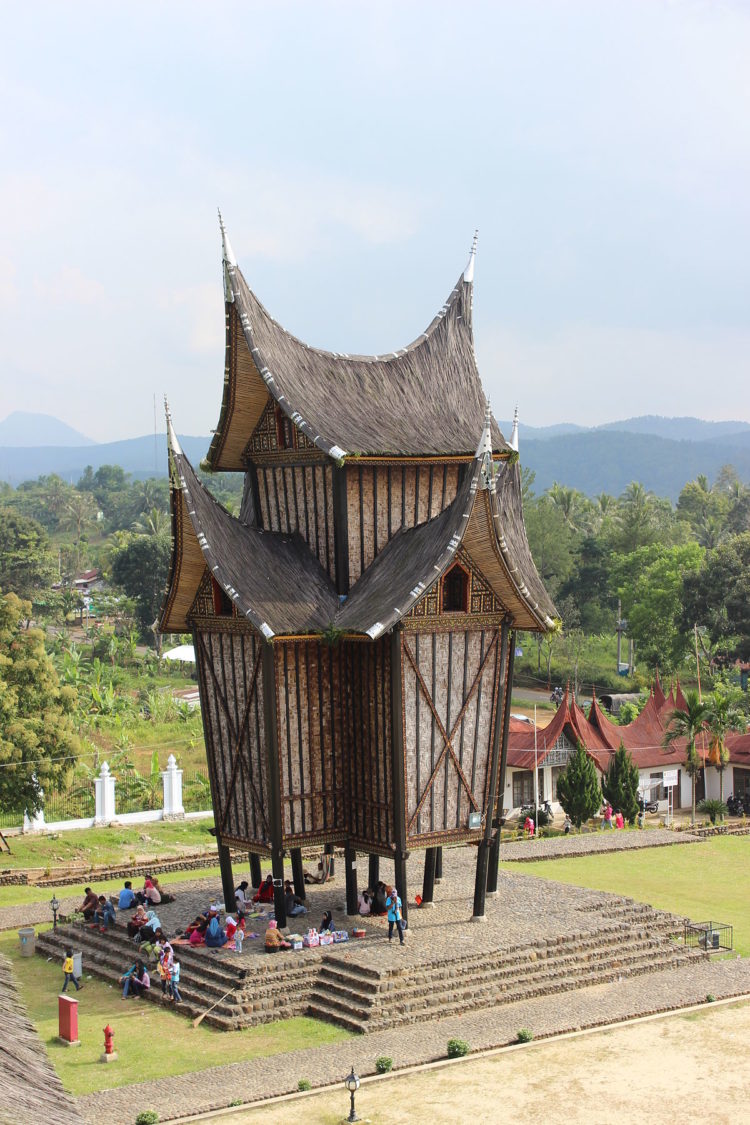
(286, 432)
(456, 590)
(222, 601)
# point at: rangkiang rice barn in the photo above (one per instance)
(354, 625)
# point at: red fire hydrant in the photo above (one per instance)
(109, 1052)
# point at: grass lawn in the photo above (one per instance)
(11, 896)
(150, 1042)
(700, 881)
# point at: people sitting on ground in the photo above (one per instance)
(293, 905)
(147, 932)
(364, 901)
(215, 935)
(197, 934)
(164, 897)
(265, 891)
(378, 904)
(607, 816)
(327, 923)
(197, 924)
(240, 895)
(619, 820)
(89, 905)
(274, 941)
(324, 870)
(126, 899)
(139, 919)
(151, 891)
(151, 947)
(104, 915)
(135, 980)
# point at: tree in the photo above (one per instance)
(652, 602)
(718, 596)
(620, 785)
(78, 515)
(578, 788)
(140, 566)
(26, 561)
(688, 722)
(37, 739)
(723, 717)
(550, 540)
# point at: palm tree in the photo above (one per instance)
(688, 722)
(723, 717)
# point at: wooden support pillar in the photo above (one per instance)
(227, 881)
(328, 849)
(483, 851)
(298, 874)
(256, 875)
(274, 782)
(340, 530)
(428, 883)
(373, 872)
(350, 865)
(438, 865)
(398, 766)
(494, 860)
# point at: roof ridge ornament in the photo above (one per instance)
(229, 262)
(173, 448)
(484, 452)
(469, 271)
(513, 442)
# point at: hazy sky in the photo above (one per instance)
(602, 149)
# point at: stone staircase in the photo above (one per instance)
(347, 986)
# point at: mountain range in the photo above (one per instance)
(662, 453)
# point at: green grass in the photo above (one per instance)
(150, 1042)
(699, 881)
(118, 844)
(12, 896)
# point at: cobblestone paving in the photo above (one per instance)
(545, 1016)
(558, 847)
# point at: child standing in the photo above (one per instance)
(68, 971)
(174, 981)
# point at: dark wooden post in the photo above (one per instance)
(274, 782)
(495, 849)
(350, 865)
(398, 767)
(340, 530)
(438, 865)
(428, 883)
(256, 875)
(373, 872)
(483, 851)
(298, 874)
(227, 882)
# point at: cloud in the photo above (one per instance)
(70, 286)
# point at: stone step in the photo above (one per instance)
(322, 1011)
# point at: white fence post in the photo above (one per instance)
(172, 780)
(104, 786)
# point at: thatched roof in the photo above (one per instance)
(30, 1089)
(424, 399)
(278, 584)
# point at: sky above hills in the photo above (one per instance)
(601, 150)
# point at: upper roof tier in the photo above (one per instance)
(422, 400)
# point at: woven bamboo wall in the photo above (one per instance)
(458, 695)
(383, 498)
(230, 675)
(311, 739)
(369, 777)
(300, 498)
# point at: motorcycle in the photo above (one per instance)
(647, 805)
(557, 696)
(736, 806)
(546, 815)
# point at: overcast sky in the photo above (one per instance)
(602, 149)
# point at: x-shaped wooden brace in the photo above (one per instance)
(237, 735)
(447, 738)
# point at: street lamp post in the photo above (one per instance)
(352, 1084)
(55, 907)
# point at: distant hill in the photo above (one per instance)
(139, 456)
(676, 429)
(22, 428)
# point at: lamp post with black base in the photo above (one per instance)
(55, 905)
(352, 1084)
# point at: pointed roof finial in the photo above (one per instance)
(484, 451)
(469, 271)
(229, 262)
(174, 444)
(513, 443)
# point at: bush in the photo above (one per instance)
(147, 1117)
(304, 1084)
(523, 1035)
(457, 1048)
(383, 1064)
(710, 998)
(713, 808)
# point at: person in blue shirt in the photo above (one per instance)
(127, 898)
(104, 915)
(395, 917)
